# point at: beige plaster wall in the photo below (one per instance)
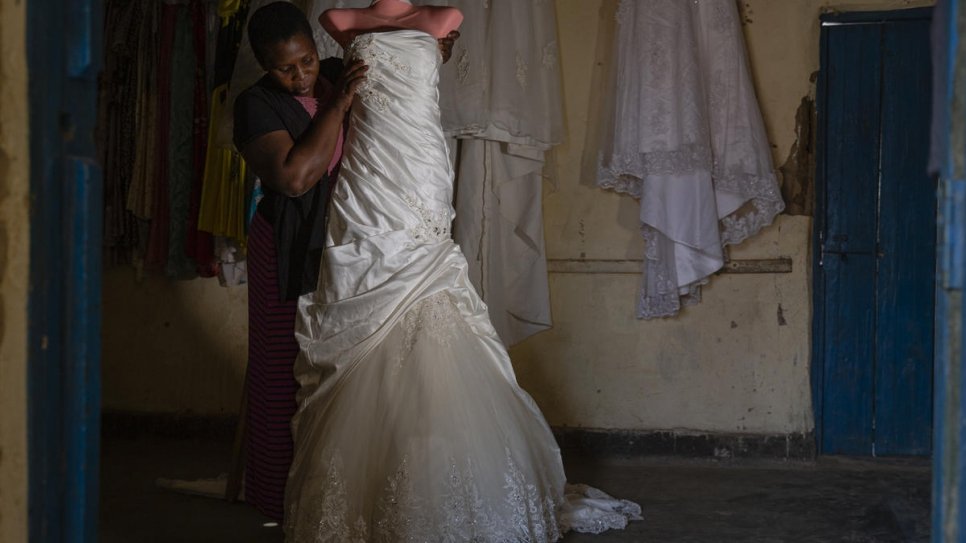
(173, 346)
(738, 362)
(14, 253)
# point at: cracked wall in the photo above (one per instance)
(738, 361)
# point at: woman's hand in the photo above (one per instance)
(353, 75)
(446, 44)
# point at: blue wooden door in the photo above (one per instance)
(875, 241)
(65, 270)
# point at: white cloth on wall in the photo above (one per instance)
(326, 45)
(502, 96)
(504, 84)
(500, 93)
(502, 236)
(684, 134)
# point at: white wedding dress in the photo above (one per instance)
(411, 425)
(683, 133)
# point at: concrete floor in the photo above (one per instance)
(686, 501)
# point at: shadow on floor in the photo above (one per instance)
(686, 501)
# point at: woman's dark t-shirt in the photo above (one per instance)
(299, 223)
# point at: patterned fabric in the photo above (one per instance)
(180, 153)
(152, 131)
(270, 379)
(140, 197)
(156, 256)
(222, 207)
(199, 244)
(271, 385)
(117, 125)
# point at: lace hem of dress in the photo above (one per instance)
(659, 295)
(402, 513)
(623, 173)
(431, 319)
(764, 203)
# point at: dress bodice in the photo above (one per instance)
(403, 66)
(396, 174)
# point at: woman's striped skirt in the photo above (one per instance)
(272, 350)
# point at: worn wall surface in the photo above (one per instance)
(738, 362)
(14, 254)
(173, 346)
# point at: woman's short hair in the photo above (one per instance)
(274, 23)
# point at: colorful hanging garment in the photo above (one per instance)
(223, 196)
(181, 155)
(199, 245)
(222, 210)
(140, 197)
(157, 248)
(116, 127)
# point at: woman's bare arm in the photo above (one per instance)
(294, 167)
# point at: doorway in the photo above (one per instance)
(875, 242)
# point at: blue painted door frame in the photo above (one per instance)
(64, 55)
(949, 449)
(874, 236)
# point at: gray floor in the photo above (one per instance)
(684, 500)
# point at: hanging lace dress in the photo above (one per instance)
(685, 136)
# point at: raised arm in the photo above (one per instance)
(293, 167)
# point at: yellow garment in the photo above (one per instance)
(227, 9)
(140, 196)
(222, 209)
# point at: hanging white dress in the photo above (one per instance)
(503, 99)
(684, 135)
(411, 425)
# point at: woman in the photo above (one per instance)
(288, 127)
(411, 425)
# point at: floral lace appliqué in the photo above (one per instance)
(522, 68)
(433, 226)
(550, 55)
(364, 47)
(402, 513)
(432, 319)
(463, 66)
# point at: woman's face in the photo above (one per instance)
(294, 64)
